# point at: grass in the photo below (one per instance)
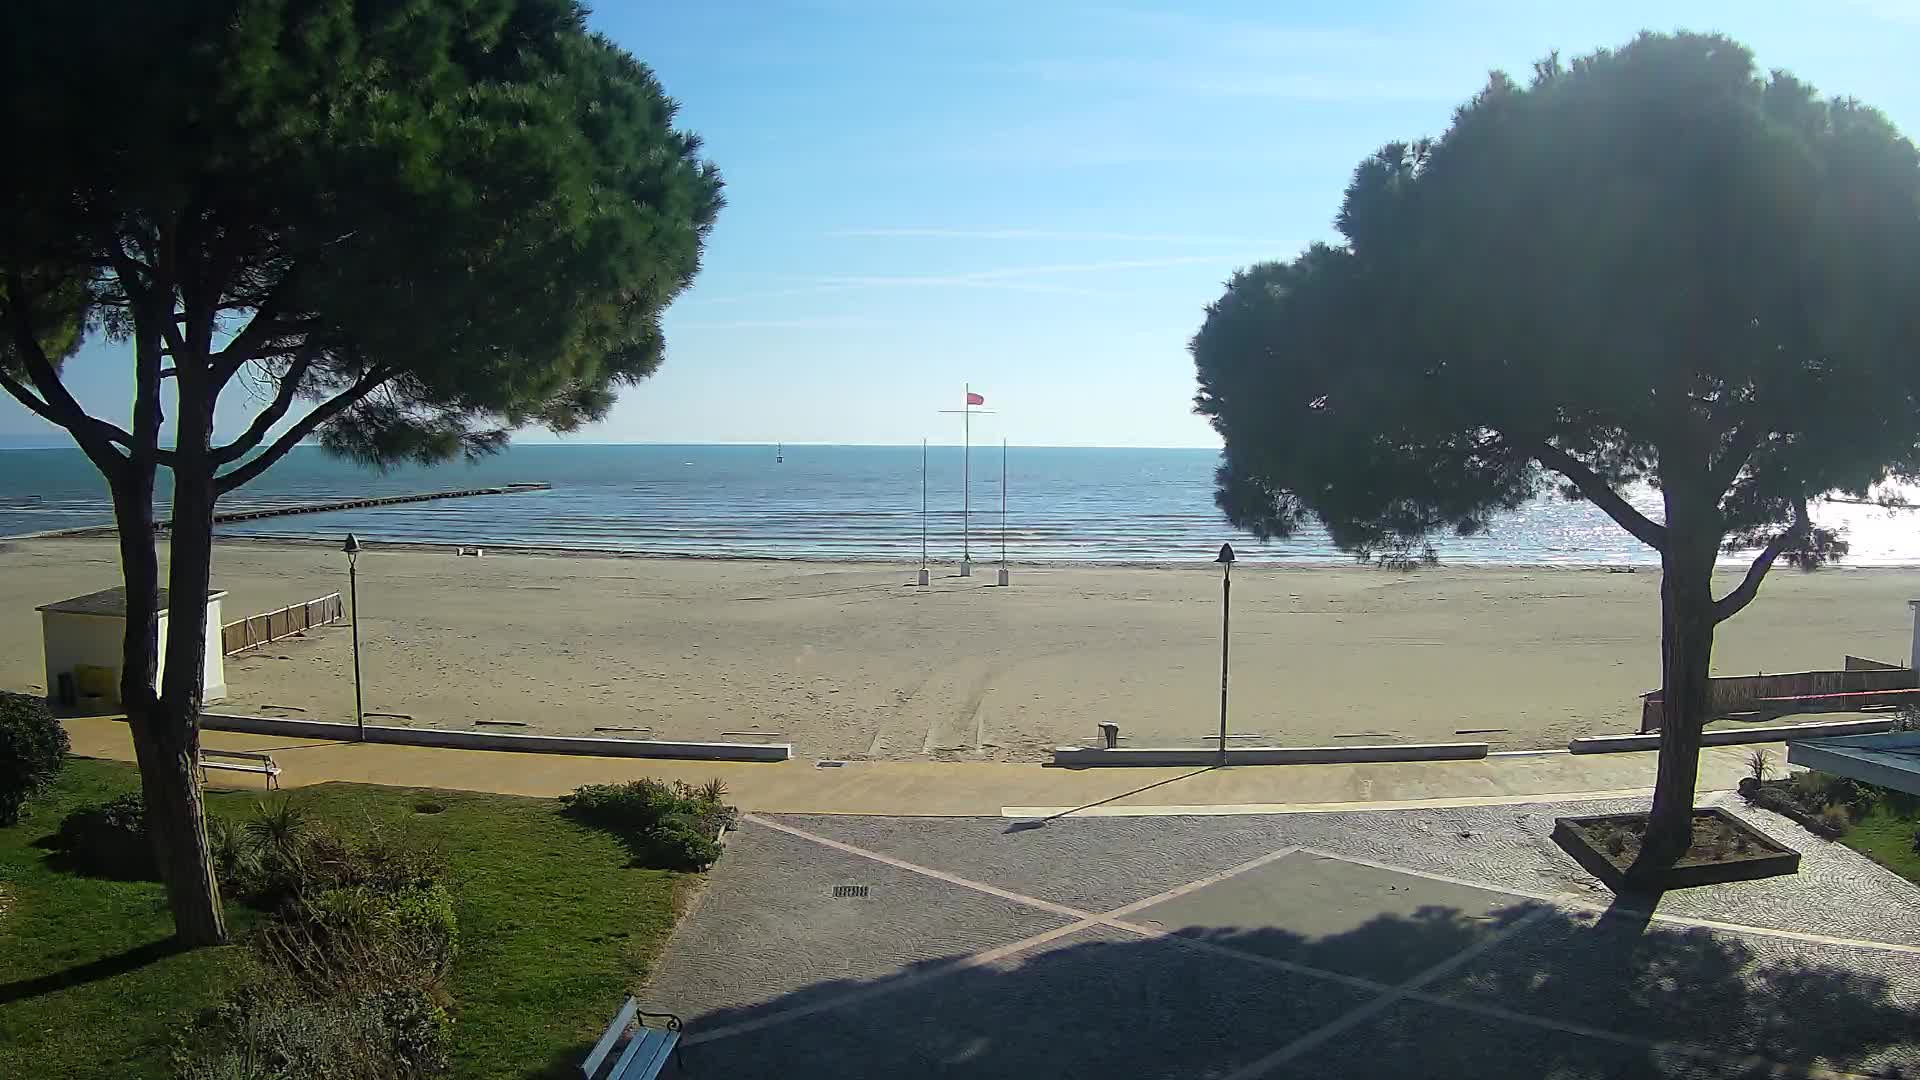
(555, 926)
(1886, 834)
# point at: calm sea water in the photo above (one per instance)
(1092, 505)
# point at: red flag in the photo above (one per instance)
(975, 399)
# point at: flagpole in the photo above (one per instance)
(1004, 576)
(923, 511)
(966, 482)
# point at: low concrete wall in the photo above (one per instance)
(1613, 744)
(490, 740)
(1091, 756)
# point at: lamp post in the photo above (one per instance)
(352, 548)
(1225, 559)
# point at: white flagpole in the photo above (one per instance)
(1005, 578)
(924, 576)
(966, 482)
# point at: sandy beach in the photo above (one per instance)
(852, 661)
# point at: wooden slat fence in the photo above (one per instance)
(1767, 696)
(256, 630)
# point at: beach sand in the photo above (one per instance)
(851, 661)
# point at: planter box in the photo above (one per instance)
(1764, 856)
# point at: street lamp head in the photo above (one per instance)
(352, 546)
(1226, 554)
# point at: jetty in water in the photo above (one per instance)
(364, 504)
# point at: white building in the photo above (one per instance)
(83, 638)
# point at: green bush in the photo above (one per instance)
(1813, 788)
(108, 839)
(637, 806)
(265, 1034)
(1837, 818)
(359, 940)
(294, 859)
(236, 859)
(33, 746)
(667, 826)
(681, 842)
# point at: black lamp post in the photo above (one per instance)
(352, 548)
(1225, 559)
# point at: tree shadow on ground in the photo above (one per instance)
(92, 971)
(1611, 995)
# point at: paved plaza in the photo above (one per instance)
(1454, 942)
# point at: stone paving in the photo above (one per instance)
(1402, 944)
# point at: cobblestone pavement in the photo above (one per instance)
(1392, 944)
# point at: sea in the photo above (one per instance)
(1056, 505)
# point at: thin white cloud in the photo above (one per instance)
(918, 233)
(1009, 273)
(1006, 278)
(821, 323)
(1900, 11)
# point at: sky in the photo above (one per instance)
(1039, 199)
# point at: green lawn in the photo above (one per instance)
(1886, 835)
(554, 927)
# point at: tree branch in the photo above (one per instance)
(276, 409)
(260, 329)
(305, 426)
(28, 398)
(1731, 604)
(1601, 494)
(95, 436)
(1740, 447)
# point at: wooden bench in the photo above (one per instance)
(251, 761)
(646, 1052)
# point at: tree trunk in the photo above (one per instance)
(165, 750)
(1686, 656)
(177, 819)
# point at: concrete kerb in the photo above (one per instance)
(1099, 756)
(491, 740)
(1612, 744)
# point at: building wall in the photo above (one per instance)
(71, 639)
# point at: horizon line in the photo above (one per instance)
(770, 444)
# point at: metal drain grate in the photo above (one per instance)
(842, 892)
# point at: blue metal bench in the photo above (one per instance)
(646, 1050)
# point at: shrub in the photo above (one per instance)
(358, 940)
(1852, 794)
(681, 842)
(1837, 818)
(1813, 788)
(670, 826)
(300, 859)
(1759, 765)
(108, 839)
(236, 859)
(265, 1034)
(33, 746)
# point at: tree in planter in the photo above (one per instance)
(405, 228)
(1648, 267)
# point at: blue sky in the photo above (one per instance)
(1039, 198)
